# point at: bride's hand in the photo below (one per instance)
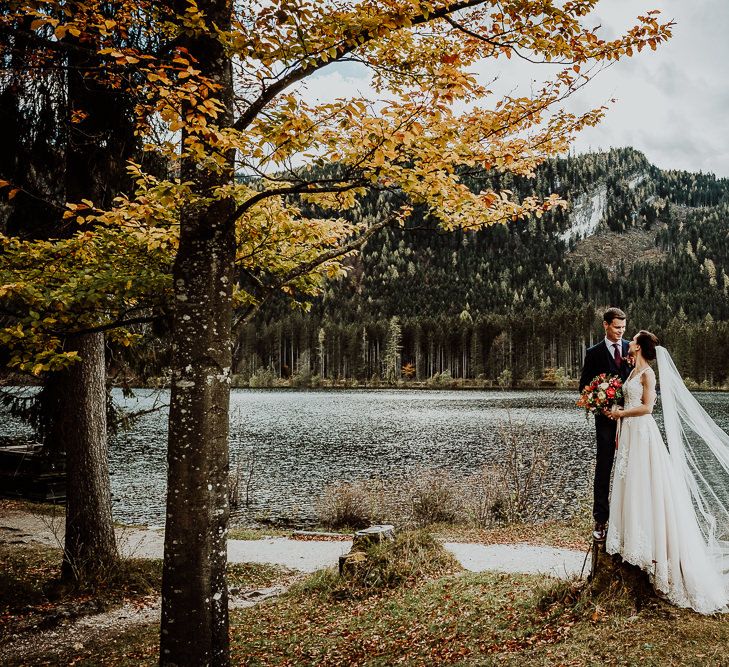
(614, 412)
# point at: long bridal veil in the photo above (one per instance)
(699, 452)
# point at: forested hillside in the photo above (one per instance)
(525, 297)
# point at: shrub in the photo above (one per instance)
(411, 557)
(521, 487)
(350, 505)
(434, 497)
(263, 377)
(483, 498)
(300, 379)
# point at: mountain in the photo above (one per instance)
(526, 296)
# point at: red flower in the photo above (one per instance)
(594, 398)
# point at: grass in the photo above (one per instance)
(32, 596)
(409, 605)
(413, 556)
(428, 614)
(21, 505)
(32, 599)
(572, 534)
(477, 619)
(242, 533)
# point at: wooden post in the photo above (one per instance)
(598, 556)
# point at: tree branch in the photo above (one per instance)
(301, 72)
(307, 267)
(112, 325)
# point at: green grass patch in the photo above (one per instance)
(240, 533)
(574, 533)
(244, 576)
(411, 557)
(446, 620)
(480, 619)
(33, 596)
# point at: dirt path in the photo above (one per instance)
(25, 528)
(17, 527)
(68, 638)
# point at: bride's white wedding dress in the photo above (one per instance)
(653, 520)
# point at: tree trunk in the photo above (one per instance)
(194, 628)
(80, 426)
(98, 146)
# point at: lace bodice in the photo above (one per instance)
(633, 389)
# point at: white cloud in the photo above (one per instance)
(672, 104)
(338, 81)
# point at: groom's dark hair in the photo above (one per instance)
(614, 314)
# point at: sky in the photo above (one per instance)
(672, 104)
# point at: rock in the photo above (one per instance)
(372, 535)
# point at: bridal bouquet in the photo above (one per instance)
(602, 393)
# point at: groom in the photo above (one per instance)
(608, 356)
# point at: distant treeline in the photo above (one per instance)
(527, 350)
(515, 301)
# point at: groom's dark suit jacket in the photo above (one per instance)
(599, 360)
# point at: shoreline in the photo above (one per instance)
(349, 386)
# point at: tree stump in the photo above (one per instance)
(348, 562)
(361, 541)
(373, 535)
(612, 577)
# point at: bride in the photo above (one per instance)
(669, 508)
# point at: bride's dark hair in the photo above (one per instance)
(648, 343)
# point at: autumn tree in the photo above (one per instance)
(72, 273)
(87, 128)
(433, 126)
(228, 100)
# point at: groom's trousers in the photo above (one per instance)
(605, 429)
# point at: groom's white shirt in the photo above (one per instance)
(610, 347)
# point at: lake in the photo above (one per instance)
(301, 441)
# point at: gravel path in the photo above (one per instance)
(307, 555)
(304, 555)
